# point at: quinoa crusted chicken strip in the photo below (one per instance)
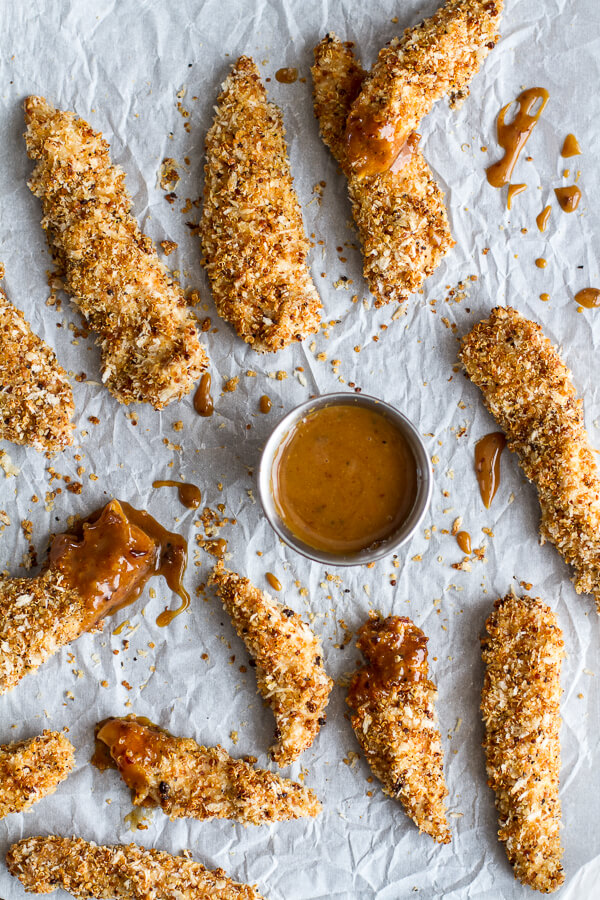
(253, 240)
(528, 389)
(36, 400)
(289, 662)
(189, 781)
(395, 720)
(520, 702)
(118, 872)
(150, 347)
(440, 56)
(31, 770)
(400, 214)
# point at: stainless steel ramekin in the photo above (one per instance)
(382, 548)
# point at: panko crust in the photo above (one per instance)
(187, 780)
(253, 240)
(520, 703)
(32, 769)
(289, 662)
(400, 214)
(528, 389)
(36, 399)
(119, 872)
(396, 727)
(150, 347)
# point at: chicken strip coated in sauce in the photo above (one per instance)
(400, 214)
(36, 400)
(440, 56)
(187, 780)
(520, 702)
(528, 389)
(119, 872)
(253, 240)
(150, 347)
(31, 770)
(289, 662)
(395, 720)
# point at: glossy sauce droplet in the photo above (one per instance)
(588, 297)
(265, 404)
(203, 402)
(540, 262)
(570, 147)
(487, 464)
(544, 297)
(286, 76)
(513, 191)
(189, 494)
(542, 218)
(273, 581)
(513, 137)
(568, 197)
(463, 539)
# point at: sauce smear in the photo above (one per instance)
(396, 654)
(568, 197)
(570, 147)
(588, 297)
(344, 479)
(463, 539)
(513, 191)
(286, 76)
(513, 137)
(203, 402)
(542, 218)
(264, 404)
(540, 262)
(487, 465)
(189, 495)
(273, 581)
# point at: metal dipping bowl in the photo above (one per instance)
(381, 548)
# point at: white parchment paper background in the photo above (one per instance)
(120, 65)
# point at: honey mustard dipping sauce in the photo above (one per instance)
(344, 478)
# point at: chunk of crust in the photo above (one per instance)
(395, 722)
(36, 400)
(31, 770)
(187, 780)
(150, 347)
(439, 56)
(520, 702)
(253, 240)
(400, 214)
(528, 389)
(289, 662)
(119, 872)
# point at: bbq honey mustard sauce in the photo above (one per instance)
(344, 479)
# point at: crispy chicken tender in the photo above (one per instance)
(119, 872)
(31, 770)
(36, 400)
(440, 56)
(520, 703)
(190, 781)
(528, 389)
(395, 720)
(150, 347)
(400, 214)
(289, 662)
(253, 240)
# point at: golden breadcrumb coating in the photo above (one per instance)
(289, 662)
(520, 703)
(528, 389)
(36, 400)
(400, 214)
(119, 872)
(187, 780)
(395, 720)
(440, 56)
(149, 342)
(31, 770)
(253, 240)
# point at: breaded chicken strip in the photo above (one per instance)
(289, 662)
(87, 575)
(440, 56)
(150, 347)
(31, 770)
(520, 703)
(36, 400)
(528, 389)
(120, 872)
(253, 239)
(190, 781)
(395, 720)
(400, 215)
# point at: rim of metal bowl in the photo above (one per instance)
(381, 549)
